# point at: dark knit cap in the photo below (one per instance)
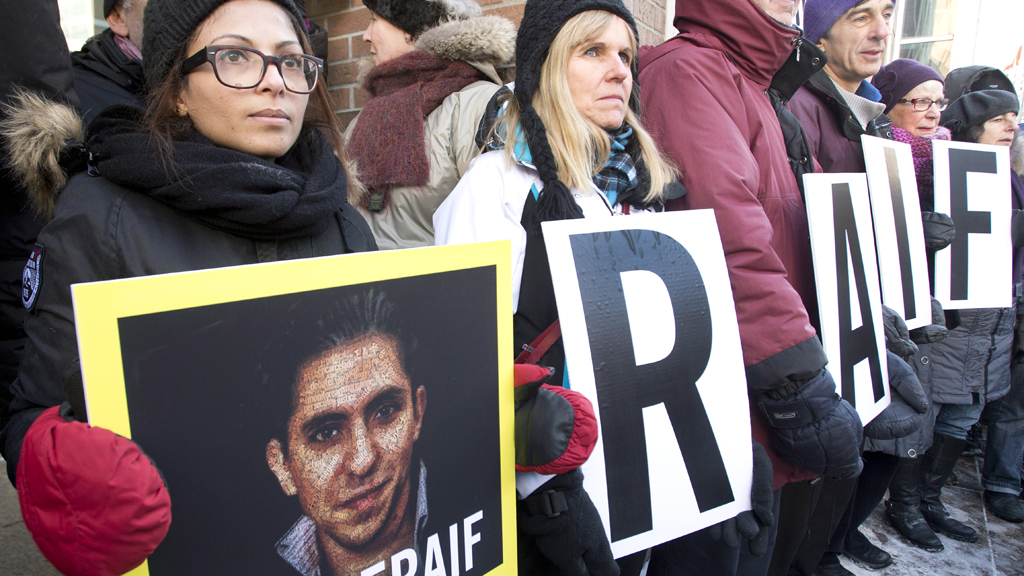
(542, 20)
(900, 76)
(108, 5)
(820, 15)
(170, 23)
(976, 108)
(417, 16)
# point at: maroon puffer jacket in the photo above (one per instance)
(704, 96)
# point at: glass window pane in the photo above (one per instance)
(934, 54)
(928, 18)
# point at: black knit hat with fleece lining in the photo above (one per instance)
(170, 23)
(542, 20)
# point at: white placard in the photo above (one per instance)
(849, 299)
(896, 213)
(972, 185)
(650, 334)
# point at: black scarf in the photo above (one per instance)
(222, 188)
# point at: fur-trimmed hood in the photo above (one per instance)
(37, 135)
(483, 39)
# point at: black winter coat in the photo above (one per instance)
(104, 76)
(102, 231)
(36, 59)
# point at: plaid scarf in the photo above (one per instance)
(619, 173)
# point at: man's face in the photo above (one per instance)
(783, 11)
(855, 45)
(350, 440)
(128, 23)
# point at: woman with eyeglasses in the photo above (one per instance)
(912, 94)
(235, 161)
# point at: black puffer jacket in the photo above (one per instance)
(104, 76)
(103, 231)
(36, 59)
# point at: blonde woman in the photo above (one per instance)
(569, 144)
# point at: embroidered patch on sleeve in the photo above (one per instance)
(32, 277)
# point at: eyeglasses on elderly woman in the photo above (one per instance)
(922, 104)
(243, 67)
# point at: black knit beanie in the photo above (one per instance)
(542, 20)
(418, 16)
(976, 108)
(108, 5)
(170, 23)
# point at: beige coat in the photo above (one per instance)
(449, 131)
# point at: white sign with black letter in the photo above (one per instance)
(972, 185)
(849, 299)
(650, 334)
(896, 213)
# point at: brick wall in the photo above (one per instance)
(346, 20)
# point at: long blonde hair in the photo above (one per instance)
(579, 146)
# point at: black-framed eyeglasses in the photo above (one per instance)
(922, 104)
(243, 67)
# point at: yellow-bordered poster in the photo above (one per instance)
(342, 415)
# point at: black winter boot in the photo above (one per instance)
(903, 509)
(936, 465)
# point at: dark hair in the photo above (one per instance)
(165, 124)
(975, 132)
(310, 329)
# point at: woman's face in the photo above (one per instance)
(599, 77)
(265, 120)
(999, 130)
(917, 122)
(386, 40)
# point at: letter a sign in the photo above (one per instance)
(849, 297)
(650, 334)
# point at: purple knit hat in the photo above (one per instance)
(900, 76)
(820, 15)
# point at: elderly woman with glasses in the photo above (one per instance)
(912, 94)
(235, 161)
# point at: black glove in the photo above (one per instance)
(897, 338)
(903, 382)
(814, 428)
(903, 415)
(935, 331)
(567, 528)
(754, 524)
(939, 231)
(1018, 342)
(1017, 228)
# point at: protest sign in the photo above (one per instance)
(345, 412)
(972, 185)
(899, 235)
(849, 300)
(650, 334)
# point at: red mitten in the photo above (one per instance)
(94, 503)
(556, 429)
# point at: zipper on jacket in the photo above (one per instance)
(798, 42)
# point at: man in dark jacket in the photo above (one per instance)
(108, 68)
(838, 105)
(37, 60)
(706, 101)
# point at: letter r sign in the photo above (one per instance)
(650, 335)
